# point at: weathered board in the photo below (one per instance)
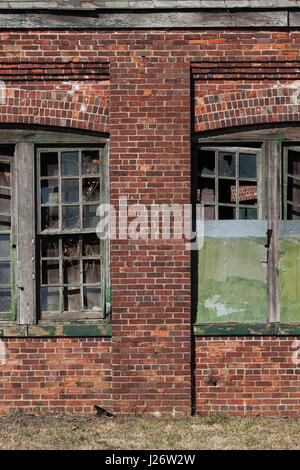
(141, 19)
(232, 272)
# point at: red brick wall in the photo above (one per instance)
(146, 107)
(250, 375)
(59, 374)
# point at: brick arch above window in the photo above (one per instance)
(277, 103)
(73, 105)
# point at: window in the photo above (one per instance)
(53, 266)
(248, 268)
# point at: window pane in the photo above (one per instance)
(209, 213)
(227, 191)
(248, 192)
(91, 272)
(247, 213)
(71, 247)
(247, 164)
(92, 298)
(91, 189)
(49, 191)
(50, 248)
(4, 246)
(293, 212)
(206, 190)
(90, 220)
(72, 300)
(49, 217)
(91, 245)
(50, 299)
(5, 200)
(5, 301)
(293, 190)
(226, 164)
(70, 217)
(50, 272)
(294, 163)
(4, 273)
(69, 164)
(226, 213)
(71, 270)
(49, 164)
(70, 190)
(206, 162)
(5, 175)
(90, 162)
(5, 222)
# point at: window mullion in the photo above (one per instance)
(26, 230)
(273, 208)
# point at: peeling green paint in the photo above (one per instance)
(234, 329)
(232, 280)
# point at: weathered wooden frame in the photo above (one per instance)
(24, 235)
(273, 151)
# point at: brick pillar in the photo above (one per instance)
(150, 163)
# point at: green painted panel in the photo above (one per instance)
(289, 256)
(232, 277)
(234, 329)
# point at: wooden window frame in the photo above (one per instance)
(25, 234)
(273, 142)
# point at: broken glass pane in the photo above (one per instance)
(71, 247)
(69, 164)
(90, 162)
(226, 164)
(50, 299)
(70, 217)
(71, 271)
(49, 164)
(206, 190)
(226, 213)
(90, 219)
(91, 189)
(70, 190)
(91, 272)
(247, 164)
(4, 246)
(50, 247)
(4, 274)
(91, 245)
(227, 191)
(72, 300)
(92, 298)
(50, 272)
(206, 162)
(49, 217)
(5, 174)
(49, 191)
(5, 300)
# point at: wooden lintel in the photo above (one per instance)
(136, 19)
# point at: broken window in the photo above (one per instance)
(70, 188)
(53, 266)
(7, 300)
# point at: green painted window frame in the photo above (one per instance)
(273, 142)
(24, 319)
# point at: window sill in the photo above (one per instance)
(247, 329)
(55, 330)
